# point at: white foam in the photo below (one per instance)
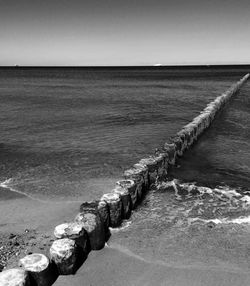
(227, 192)
(192, 186)
(230, 197)
(216, 220)
(124, 225)
(239, 220)
(246, 199)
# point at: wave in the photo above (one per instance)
(221, 204)
(240, 220)
(8, 185)
(123, 226)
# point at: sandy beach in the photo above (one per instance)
(201, 255)
(27, 225)
(216, 255)
(119, 267)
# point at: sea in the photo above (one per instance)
(68, 133)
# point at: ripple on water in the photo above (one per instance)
(182, 223)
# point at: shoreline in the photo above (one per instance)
(149, 171)
(27, 223)
(119, 266)
(32, 231)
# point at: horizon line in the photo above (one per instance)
(113, 66)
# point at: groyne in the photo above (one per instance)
(90, 229)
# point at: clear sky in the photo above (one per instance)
(124, 32)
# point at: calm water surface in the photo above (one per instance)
(68, 133)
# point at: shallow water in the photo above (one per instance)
(201, 214)
(69, 133)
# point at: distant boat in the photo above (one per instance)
(157, 65)
(16, 66)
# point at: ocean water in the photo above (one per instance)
(68, 133)
(200, 216)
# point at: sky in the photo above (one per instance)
(124, 32)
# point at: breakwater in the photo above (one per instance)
(90, 229)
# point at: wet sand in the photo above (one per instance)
(116, 268)
(24, 213)
(198, 254)
(181, 254)
(19, 211)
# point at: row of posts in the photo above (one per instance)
(91, 227)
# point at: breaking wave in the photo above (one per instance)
(203, 204)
